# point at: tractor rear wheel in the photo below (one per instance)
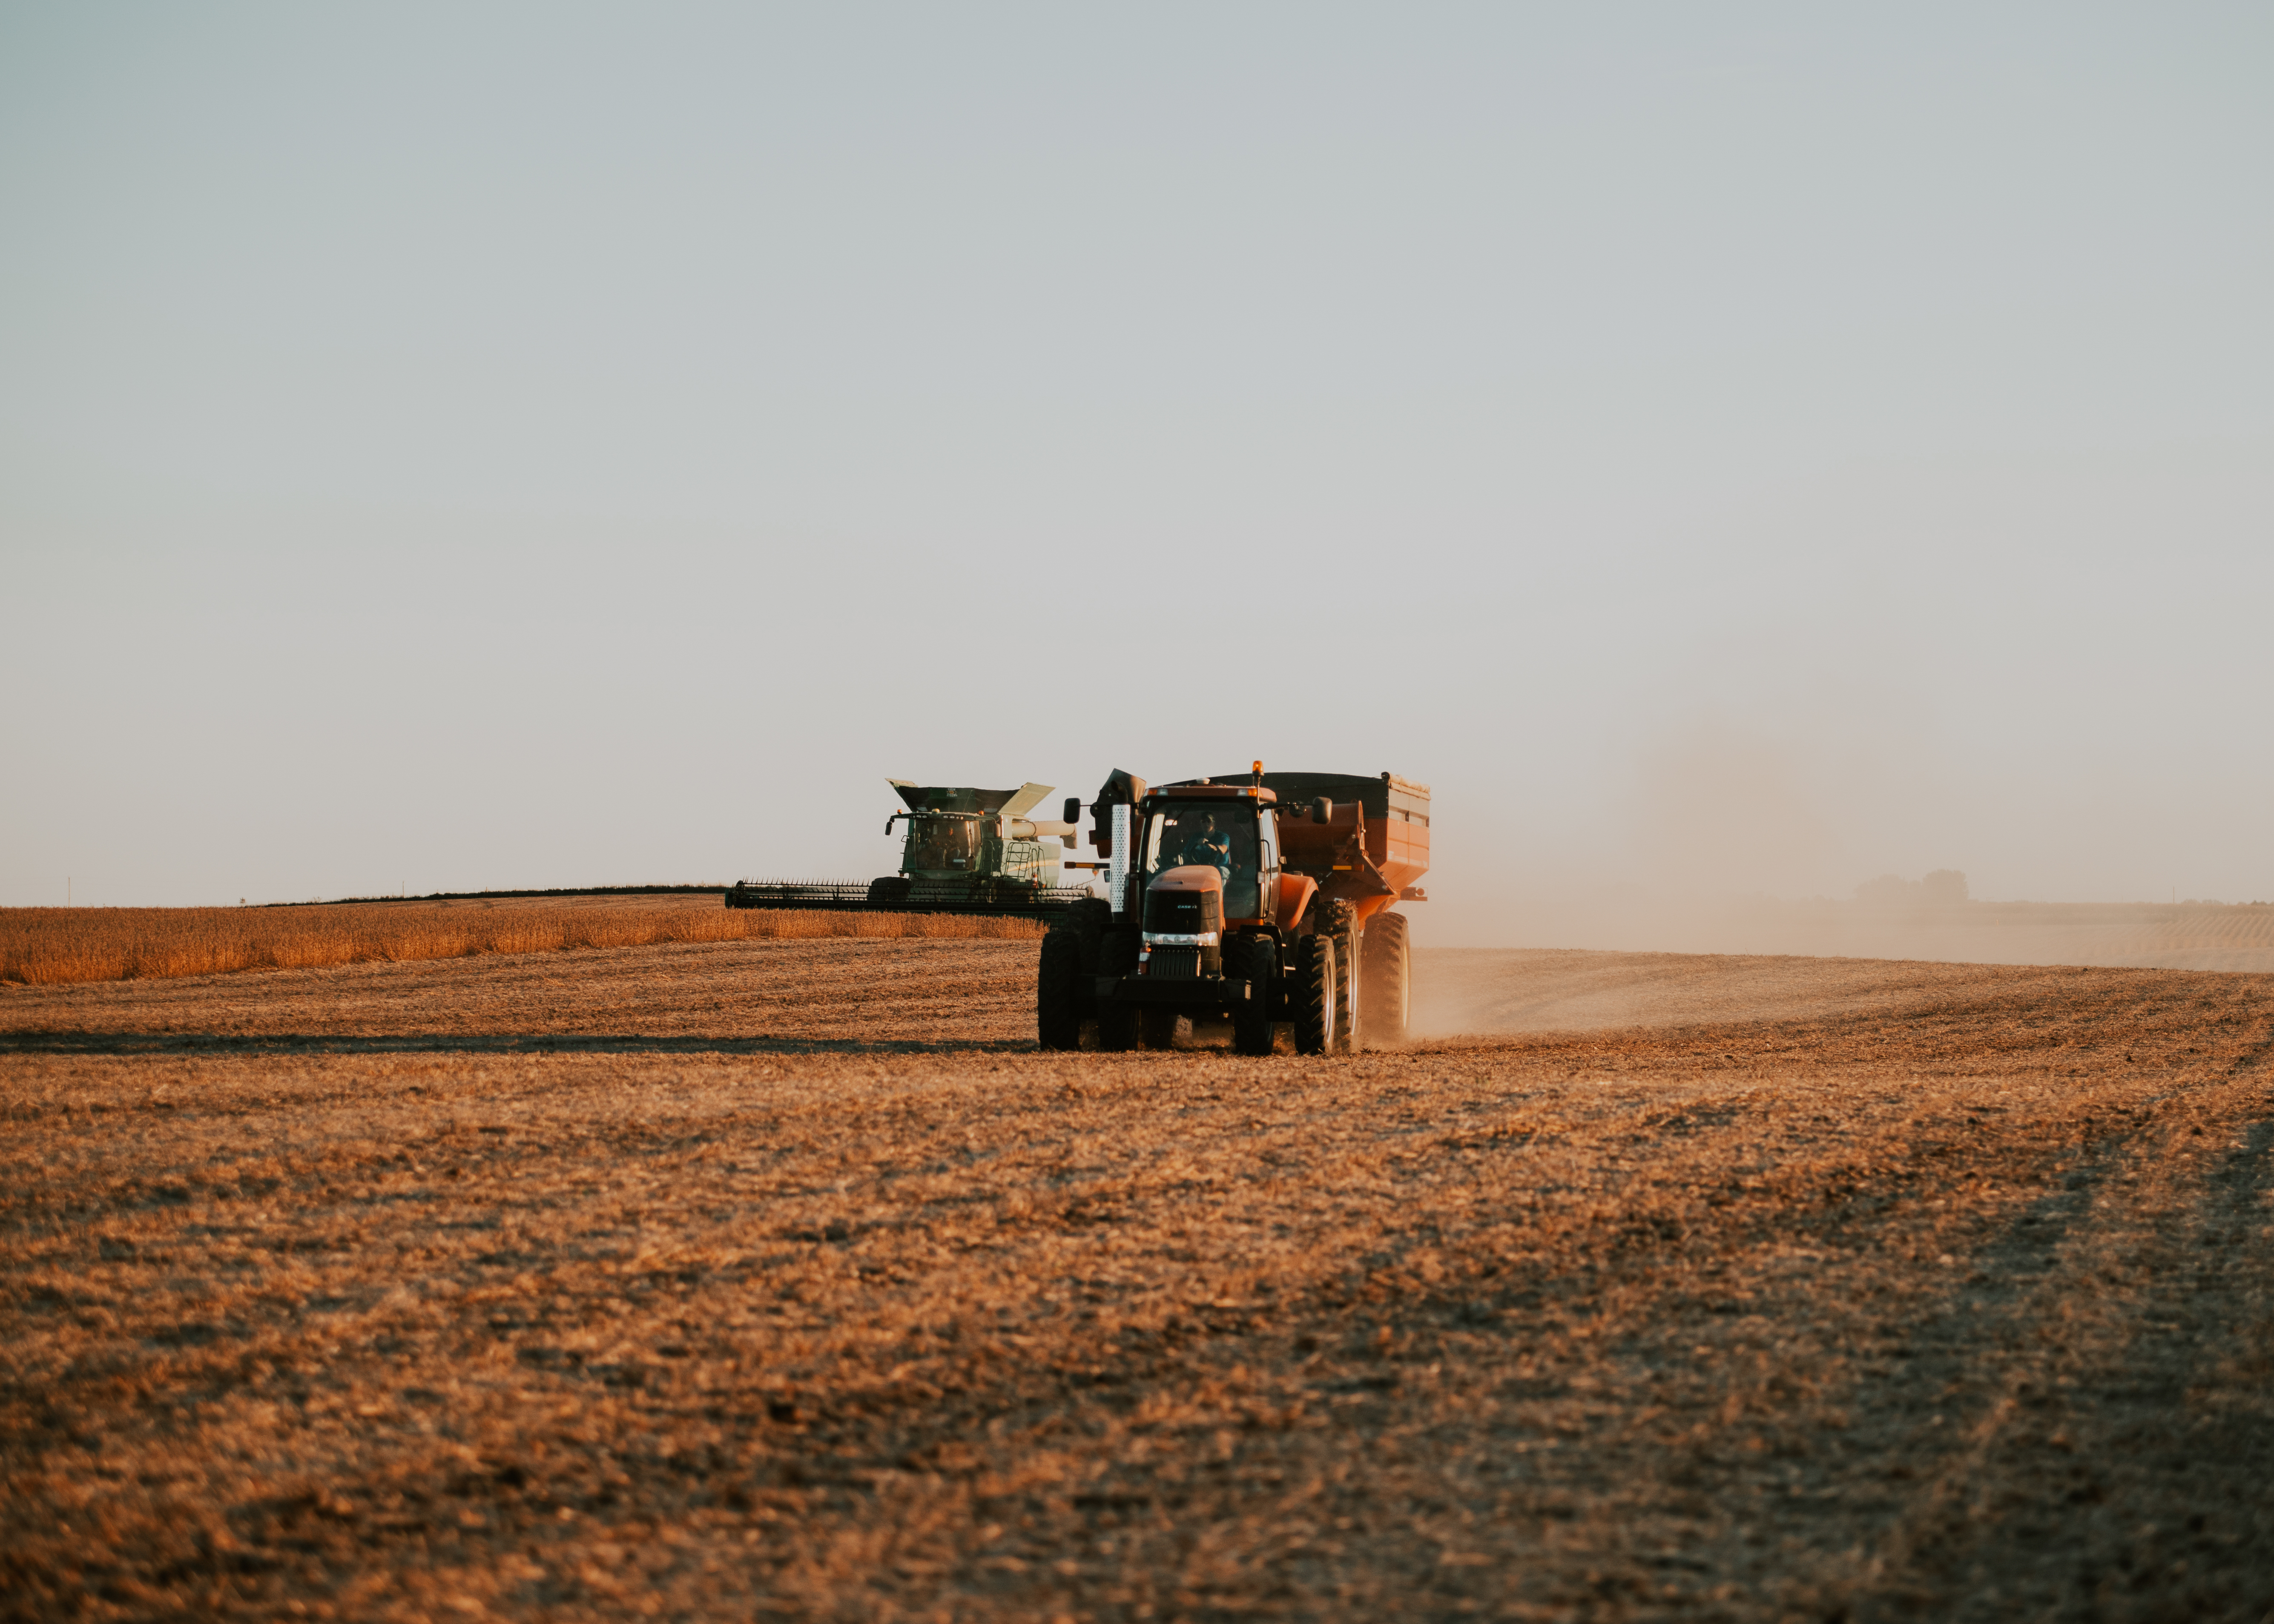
(1349, 968)
(1387, 988)
(1255, 960)
(1058, 991)
(1341, 923)
(1315, 995)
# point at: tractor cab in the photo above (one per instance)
(1231, 831)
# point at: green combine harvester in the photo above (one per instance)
(966, 851)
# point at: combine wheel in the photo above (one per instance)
(1315, 995)
(890, 890)
(1254, 959)
(1386, 990)
(1159, 1027)
(1058, 991)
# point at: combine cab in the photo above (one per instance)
(1264, 899)
(966, 851)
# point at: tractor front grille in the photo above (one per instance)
(1181, 964)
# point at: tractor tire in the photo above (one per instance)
(1387, 988)
(1057, 992)
(1315, 995)
(1254, 959)
(1158, 1027)
(890, 890)
(1350, 967)
(1117, 1027)
(1088, 921)
(1350, 963)
(1340, 921)
(1117, 1022)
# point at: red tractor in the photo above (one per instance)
(1262, 900)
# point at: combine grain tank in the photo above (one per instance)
(965, 851)
(1265, 898)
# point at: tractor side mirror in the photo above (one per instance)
(1074, 809)
(1322, 810)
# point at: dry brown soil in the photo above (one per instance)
(784, 1279)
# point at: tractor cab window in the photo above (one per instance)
(1213, 834)
(943, 843)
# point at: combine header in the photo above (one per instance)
(1263, 898)
(967, 851)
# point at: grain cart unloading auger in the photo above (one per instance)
(967, 851)
(1263, 899)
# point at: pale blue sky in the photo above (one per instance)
(1749, 447)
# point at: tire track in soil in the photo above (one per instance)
(2090, 1486)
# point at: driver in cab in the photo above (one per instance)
(1210, 847)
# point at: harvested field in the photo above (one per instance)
(49, 946)
(1671, 1288)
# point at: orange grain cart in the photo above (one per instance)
(1265, 900)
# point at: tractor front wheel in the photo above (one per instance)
(1116, 1027)
(1255, 960)
(1117, 1022)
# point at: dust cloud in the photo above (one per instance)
(1726, 838)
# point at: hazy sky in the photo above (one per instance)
(1737, 447)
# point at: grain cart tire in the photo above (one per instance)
(1386, 956)
(892, 889)
(1255, 960)
(1058, 991)
(1315, 995)
(1158, 1027)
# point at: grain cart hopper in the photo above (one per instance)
(965, 851)
(1264, 898)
